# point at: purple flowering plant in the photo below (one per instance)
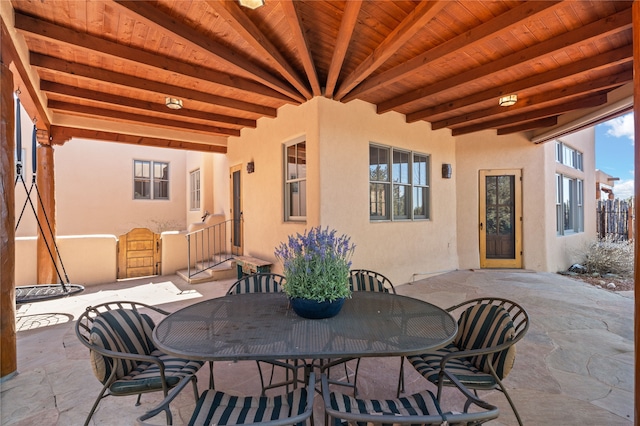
(316, 264)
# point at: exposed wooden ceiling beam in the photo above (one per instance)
(231, 12)
(419, 17)
(30, 100)
(591, 86)
(92, 95)
(156, 18)
(302, 46)
(607, 59)
(86, 71)
(583, 102)
(347, 26)
(139, 118)
(523, 127)
(490, 29)
(59, 135)
(615, 23)
(70, 37)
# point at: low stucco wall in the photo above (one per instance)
(89, 259)
(26, 271)
(93, 259)
(86, 259)
(174, 252)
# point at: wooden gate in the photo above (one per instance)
(139, 254)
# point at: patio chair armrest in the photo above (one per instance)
(129, 355)
(474, 352)
(471, 398)
(164, 405)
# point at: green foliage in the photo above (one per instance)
(610, 257)
(316, 265)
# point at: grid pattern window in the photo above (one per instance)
(295, 181)
(398, 184)
(568, 156)
(150, 180)
(569, 205)
(194, 190)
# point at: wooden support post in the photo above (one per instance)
(8, 355)
(636, 281)
(46, 252)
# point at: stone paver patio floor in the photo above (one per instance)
(575, 366)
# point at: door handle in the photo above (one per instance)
(481, 226)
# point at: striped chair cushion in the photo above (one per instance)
(419, 404)
(428, 365)
(219, 408)
(483, 326)
(256, 284)
(363, 282)
(120, 330)
(146, 376)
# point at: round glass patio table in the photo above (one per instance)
(263, 326)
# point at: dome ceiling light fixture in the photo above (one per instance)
(251, 4)
(173, 103)
(508, 100)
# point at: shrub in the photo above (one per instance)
(610, 257)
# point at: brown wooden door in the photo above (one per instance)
(139, 254)
(500, 219)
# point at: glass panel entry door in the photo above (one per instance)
(236, 210)
(500, 219)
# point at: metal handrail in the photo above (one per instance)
(209, 247)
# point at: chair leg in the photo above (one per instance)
(355, 378)
(401, 378)
(95, 404)
(194, 381)
(211, 382)
(513, 406)
(261, 379)
(138, 400)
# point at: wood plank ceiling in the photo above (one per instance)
(445, 62)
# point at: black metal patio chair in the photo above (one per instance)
(421, 408)
(216, 408)
(123, 356)
(483, 352)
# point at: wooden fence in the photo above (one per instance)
(615, 219)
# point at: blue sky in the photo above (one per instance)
(614, 152)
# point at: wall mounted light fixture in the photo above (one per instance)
(508, 100)
(251, 167)
(446, 171)
(173, 103)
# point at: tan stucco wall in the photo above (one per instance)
(397, 249)
(86, 259)
(338, 137)
(89, 259)
(264, 226)
(94, 189)
(543, 250)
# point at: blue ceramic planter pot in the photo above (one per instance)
(312, 309)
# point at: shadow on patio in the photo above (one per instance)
(574, 366)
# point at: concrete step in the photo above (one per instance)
(224, 271)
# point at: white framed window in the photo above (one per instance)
(194, 190)
(568, 156)
(295, 181)
(569, 205)
(398, 179)
(150, 180)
